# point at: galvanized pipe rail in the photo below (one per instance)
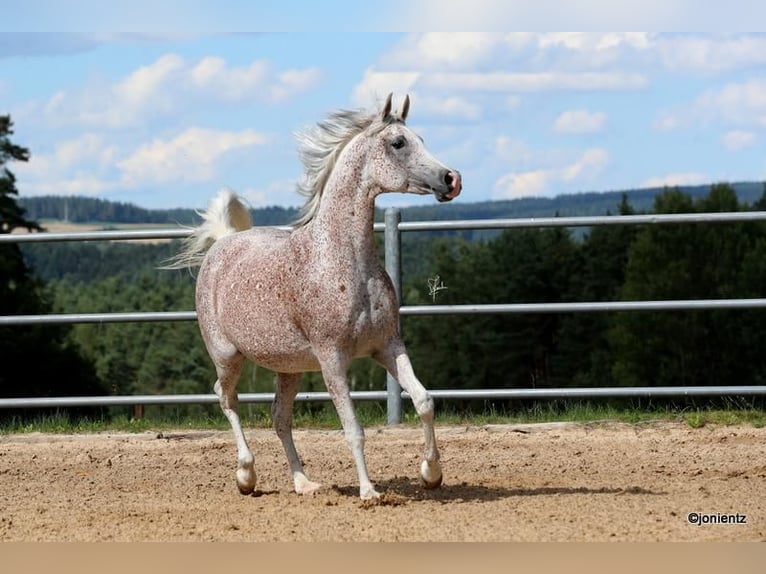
(393, 226)
(445, 394)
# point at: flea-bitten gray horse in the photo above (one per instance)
(316, 297)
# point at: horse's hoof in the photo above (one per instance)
(245, 481)
(305, 487)
(369, 495)
(245, 489)
(430, 477)
(430, 485)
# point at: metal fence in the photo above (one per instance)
(393, 227)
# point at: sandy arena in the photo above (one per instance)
(551, 482)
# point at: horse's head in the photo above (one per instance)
(400, 161)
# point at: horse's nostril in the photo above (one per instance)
(448, 179)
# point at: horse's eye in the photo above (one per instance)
(399, 142)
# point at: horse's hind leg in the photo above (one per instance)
(226, 389)
(397, 363)
(282, 415)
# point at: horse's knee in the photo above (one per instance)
(425, 407)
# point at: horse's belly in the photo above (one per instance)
(270, 340)
(281, 362)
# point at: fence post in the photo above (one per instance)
(393, 245)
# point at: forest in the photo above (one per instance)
(605, 263)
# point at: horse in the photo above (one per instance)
(315, 296)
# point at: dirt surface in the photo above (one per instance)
(601, 481)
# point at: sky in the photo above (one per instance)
(166, 118)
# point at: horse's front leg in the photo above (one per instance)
(334, 371)
(395, 360)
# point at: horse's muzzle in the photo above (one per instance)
(454, 185)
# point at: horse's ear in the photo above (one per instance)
(405, 107)
(386, 107)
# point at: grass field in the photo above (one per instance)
(59, 226)
(374, 415)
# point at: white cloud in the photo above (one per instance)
(711, 54)
(148, 81)
(170, 84)
(79, 165)
(461, 51)
(667, 121)
(452, 107)
(280, 192)
(90, 165)
(538, 182)
(515, 82)
(735, 104)
(88, 148)
(376, 85)
(579, 122)
(442, 65)
(435, 50)
(675, 179)
(591, 162)
(213, 76)
(296, 81)
(190, 156)
(594, 41)
(524, 184)
(738, 139)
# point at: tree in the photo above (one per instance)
(584, 344)
(503, 350)
(34, 361)
(691, 261)
(18, 291)
(11, 214)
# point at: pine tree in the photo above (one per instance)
(34, 360)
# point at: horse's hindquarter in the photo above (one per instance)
(245, 296)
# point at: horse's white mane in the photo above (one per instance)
(320, 146)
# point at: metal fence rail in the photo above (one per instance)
(413, 310)
(453, 394)
(393, 227)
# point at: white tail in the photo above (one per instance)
(225, 214)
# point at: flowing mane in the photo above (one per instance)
(320, 146)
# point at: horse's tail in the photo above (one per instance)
(225, 214)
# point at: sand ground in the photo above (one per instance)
(550, 482)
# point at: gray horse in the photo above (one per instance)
(316, 297)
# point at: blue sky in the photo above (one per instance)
(166, 119)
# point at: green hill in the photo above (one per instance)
(86, 209)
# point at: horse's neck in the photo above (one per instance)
(343, 227)
(343, 224)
